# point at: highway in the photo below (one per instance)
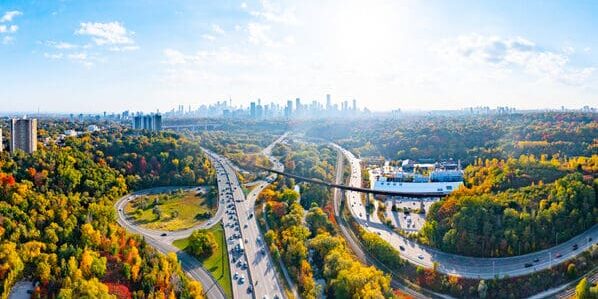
(252, 266)
(154, 238)
(457, 265)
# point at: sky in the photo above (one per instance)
(148, 55)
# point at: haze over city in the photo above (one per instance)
(88, 56)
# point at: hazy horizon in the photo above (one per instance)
(86, 57)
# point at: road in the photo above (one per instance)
(457, 265)
(163, 243)
(241, 229)
(170, 235)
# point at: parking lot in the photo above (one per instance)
(410, 220)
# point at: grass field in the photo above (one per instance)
(177, 211)
(217, 263)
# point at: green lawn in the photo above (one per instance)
(217, 263)
(177, 211)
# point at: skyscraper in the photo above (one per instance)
(23, 135)
(328, 102)
(354, 105)
(288, 110)
(252, 110)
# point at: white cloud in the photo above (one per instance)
(259, 34)
(515, 52)
(217, 29)
(53, 56)
(113, 33)
(273, 12)
(61, 45)
(8, 28)
(208, 37)
(10, 15)
(123, 48)
(7, 40)
(81, 57)
(174, 57)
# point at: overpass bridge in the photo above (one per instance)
(350, 188)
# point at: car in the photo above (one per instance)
(402, 248)
(236, 275)
(575, 246)
(536, 260)
(558, 255)
(245, 226)
(163, 235)
(242, 279)
(246, 241)
(527, 265)
(590, 239)
(421, 257)
(249, 289)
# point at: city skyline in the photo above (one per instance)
(113, 56)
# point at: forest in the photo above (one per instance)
(57, 218)
(515, 206)
(465, 137)
(313, 251)
(309, 160)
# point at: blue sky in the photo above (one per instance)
(93, 56)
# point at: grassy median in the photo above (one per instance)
(169, 211)
(217, 263)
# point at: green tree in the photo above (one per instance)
(202, 243)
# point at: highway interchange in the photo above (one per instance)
(252, 267)
(254, 275)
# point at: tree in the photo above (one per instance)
(289, 196)
(317, 221)
(202, 243)
(582, 290)
(482, 289)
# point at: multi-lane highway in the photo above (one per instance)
(458, 265)
(251, 265)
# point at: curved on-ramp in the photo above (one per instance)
(162, 243)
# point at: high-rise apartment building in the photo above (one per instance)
(148, 122)
(23, 134)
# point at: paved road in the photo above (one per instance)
(170, 236)
(241, 229)
(163, 244)
(471, 267)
